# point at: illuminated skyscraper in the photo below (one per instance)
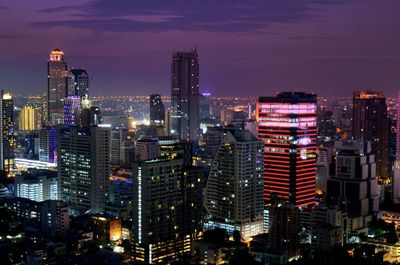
(396, 168)
(7, 141)
(72, 110)
(29, 118)
(157, 110)
(84, 167)
(185, 118)
(57, 86)
(370, 124)
(287, 125)
(80, 83)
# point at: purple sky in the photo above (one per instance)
(251, 47)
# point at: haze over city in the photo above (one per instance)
(252, 48)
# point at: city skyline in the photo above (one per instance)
(326, 47)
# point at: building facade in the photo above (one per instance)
(157, 110)
(84, 167)
(185, 116)
(233, 196)
(287, 124)
(7, 139)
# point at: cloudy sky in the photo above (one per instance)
(251, 47)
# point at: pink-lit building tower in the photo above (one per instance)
(287, 124)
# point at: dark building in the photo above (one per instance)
(7, 139)
(168, 213)
(185, 95)
(370, 124)
(284, 229)
(90, 116)
(57, 86)
(48, 144)
(157, 110)
(326, 125)
(354, 186)
(287, 124)
(80, 83)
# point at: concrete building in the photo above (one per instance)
(7, 139)
(233, 196)
(84, 167)
(147, 149)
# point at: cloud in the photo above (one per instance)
(183, 15)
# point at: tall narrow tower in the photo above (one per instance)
(7, 141)
(185, 95)
(288, 125)
(370, 124)
(57, 86)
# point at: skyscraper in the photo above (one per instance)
(57, 86)
(396, 168)
(370, 124)
(84, 166)
(288, 125)
(7, 141)
(185, 119)
(157, 110)
(80, 83)
(233, 196)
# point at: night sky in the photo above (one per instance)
(246, 47)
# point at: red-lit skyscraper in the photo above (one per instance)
(287, 124)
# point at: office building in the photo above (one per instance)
(157, 110)
(84, 167)
(90, 115)
(287, 124)
(7, 139)
(122, 148)
(233, 197)
(29, 118)
(48, 144)
(80, 83)
(354, 187)
(37, 185)
(72, 110)
(370, 124)
(168, 213)
(185, 117)
(57, 85)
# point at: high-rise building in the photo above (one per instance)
(80, 83)
(185, 118)
(354, 186)
(287, 124)
(57, 86)
(37, 185)
(7, 140)
(370, 124)
(72, 110)
(84, 166)
(29, 118)
(233, 196)
(168, 214)
(48, 144)
(157, 110)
